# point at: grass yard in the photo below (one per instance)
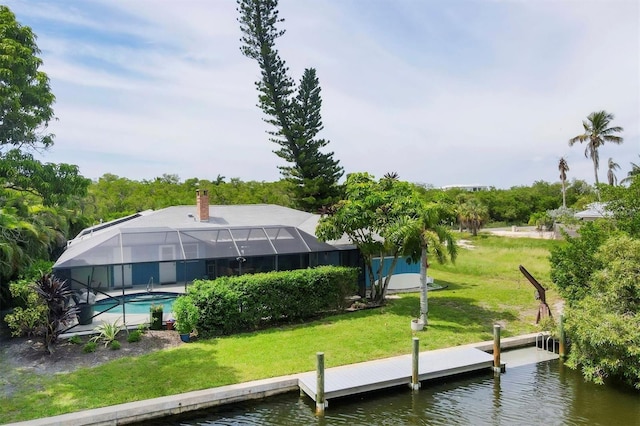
(484, 287)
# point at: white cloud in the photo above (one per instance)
(441, 92)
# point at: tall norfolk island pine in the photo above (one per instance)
(294, 113)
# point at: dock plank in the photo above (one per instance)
(380, 374)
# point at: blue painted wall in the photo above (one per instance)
(191, 270)
(142, 272)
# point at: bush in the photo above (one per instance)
(114, 345)
(573, 263)
(75, 339)
(604, 327)
(89, 347)
(30, 311)
(134, 336)
(186, 313)
(246, 302)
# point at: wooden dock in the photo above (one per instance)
(380, 374)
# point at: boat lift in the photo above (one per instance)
(543, 309)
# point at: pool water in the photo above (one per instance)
(139, 303)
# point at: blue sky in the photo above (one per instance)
(442, 92)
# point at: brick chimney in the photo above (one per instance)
(202, 205)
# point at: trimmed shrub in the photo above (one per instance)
(89, 347)
(247, 302)
(134, 336)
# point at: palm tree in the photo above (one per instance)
(611, 177)
(635, 170)
(473, 215)
(563, 167)
(596, 133)
(426, 234)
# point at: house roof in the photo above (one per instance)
(594, 211)
(175, 233)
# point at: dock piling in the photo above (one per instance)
(320, 403)
(562, 349)
(415, 381)
(497, 367)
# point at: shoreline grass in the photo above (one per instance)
(484, 287)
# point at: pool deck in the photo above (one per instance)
(176, 404)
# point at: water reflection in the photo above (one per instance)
(544, 393)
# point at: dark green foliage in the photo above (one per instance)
(26, 183)
(604, 327)
(573, 263)
(246, 302)
(624, 204)
(297, 118)
(134, 336)
(114, 345)
(112, 197)
(89, 347)
(56, 296)
(75, 339)
(25, 96)
(219, 307)
(56, 184)
(187, 314)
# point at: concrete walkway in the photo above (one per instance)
(137, 411)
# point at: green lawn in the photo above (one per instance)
(484, 287)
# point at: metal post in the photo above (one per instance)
(320, 403)
(496, 349)
(562, 348)
(415, 379)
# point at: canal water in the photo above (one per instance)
(546, 393)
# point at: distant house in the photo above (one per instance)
(182, 243)
(594, 211)
(470, 188)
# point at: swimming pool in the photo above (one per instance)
(137, 303)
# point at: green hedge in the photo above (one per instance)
(232, 304)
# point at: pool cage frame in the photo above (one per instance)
(191, 251)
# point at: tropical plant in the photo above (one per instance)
(472, 215)
(612, 167)
(635, 170)
(107, 332)
(370, 216)
(56, 295)
(596, 133)
(425, 234)
(156, 308)
(563, 167)
(542, 221)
